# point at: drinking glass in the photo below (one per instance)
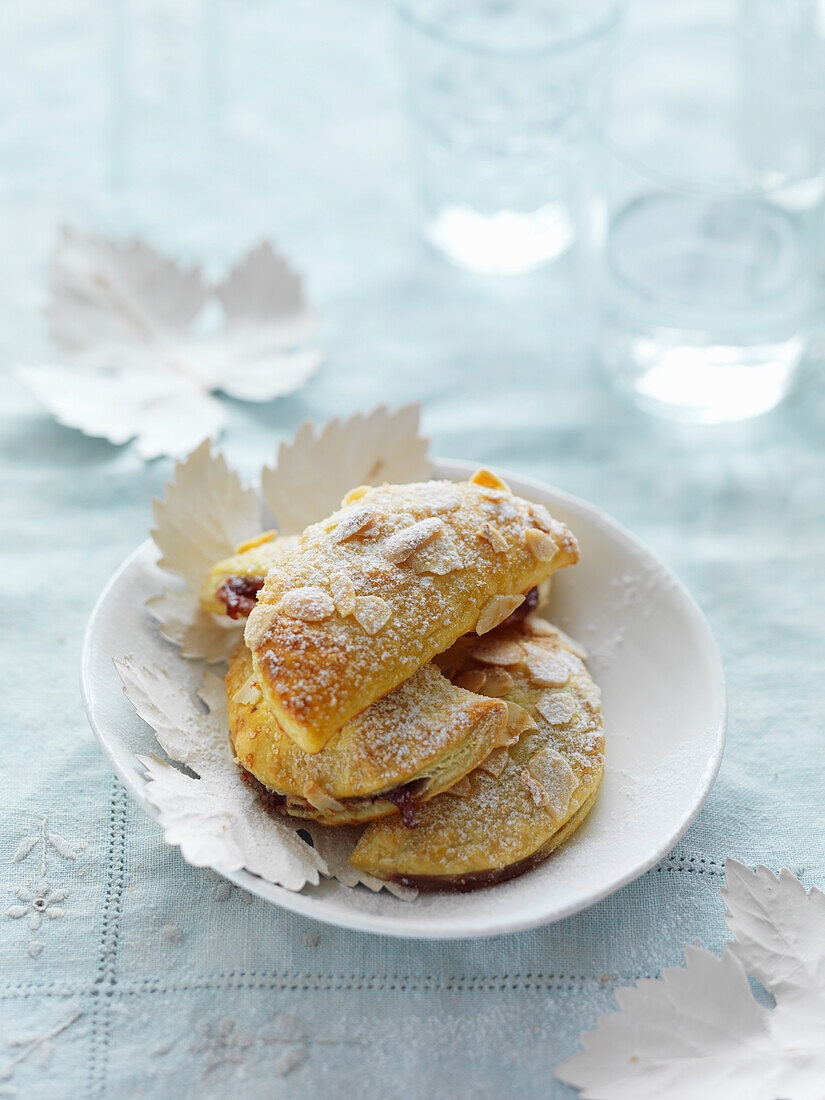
(705, 225)
(498, 94)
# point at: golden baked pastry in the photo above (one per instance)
(402, 750)
(375, 591)
(521, 802)
(233, 584)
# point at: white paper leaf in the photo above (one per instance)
(163, 412)
(126, 317)
(697, 1032)
(317, 467)
(336, 846)
(112, 290)
(266, 319)
(204, 514)
(215, 818)
(779, 931)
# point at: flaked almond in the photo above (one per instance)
(542, 518)
(488, 480)
(261, 619)
(554, 782)
(518, 720)
(248, 694)
(535, 789)
(508, 738)
(546, 669)
(404, 543)
(316, 796)
(355, 524)
(571, 661)
(343, 592)
(259, 540)
(309, 604)
(355, 494)
(495, 611)
(439, 556)
(574, 647)
(490, 533)
(540, 545)
(538, 627)
(496, 762)
(372, 612)
(471, 680)
(498, 651)
(440, 496)
(461, 789)
(498, 682)
(556, 707)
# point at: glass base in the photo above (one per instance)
(504, 243)
(701, 382)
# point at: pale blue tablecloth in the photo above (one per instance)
(152, 978)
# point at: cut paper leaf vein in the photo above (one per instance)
(206, 511)
(318, 466)
(698, 1031)
(140, 366)
(213, 816)
(203, 515)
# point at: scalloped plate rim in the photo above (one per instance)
(413, 927)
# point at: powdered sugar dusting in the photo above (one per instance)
(403, 736)
(323, 673)
(548, 775)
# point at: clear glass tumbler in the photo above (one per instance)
(704, 228)
(498, 94)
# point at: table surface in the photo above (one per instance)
(149, 977)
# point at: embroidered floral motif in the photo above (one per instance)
(223, 889)
(39, 904)
(27, 1045)
(41, 900)
(224, 1044)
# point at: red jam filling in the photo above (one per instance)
(239, 594)
(404, 797)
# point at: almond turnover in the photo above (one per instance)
(375, 591)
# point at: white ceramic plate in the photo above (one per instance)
(663, 693)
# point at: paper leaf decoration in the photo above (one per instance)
(214, 817)
(698, 1032)
(139, 366)
(317, 467)
(205, 512)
